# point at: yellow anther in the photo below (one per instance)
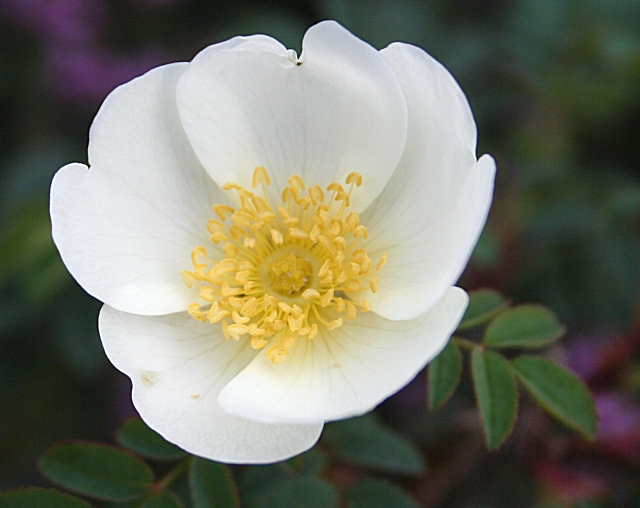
(236, 330)
(225, 330)
(230, 250)
(189, 278)
(335, 187)
(324, 269)
(283, 212)
(288, 194)
(298, 233)
(374, 283)
(327, 280)
(260, 175)
(223, 211)
(218, 237)
(248, 286)
(194, 310)
(366, 305)
(305, 202)
(343, 196)
(326, 243)
(352, 311)
(365, 264)
(354, 178)
(276, 236)
(342, 276)
(352, 285)
(361, 232)
(236, 303)
(249, 242)
(285, 307)
(279, 324)
(231, 186)
(228, 290)
(326, 298)
(316, 194)
(208, 293)
(336, 227)
(337, 323)
(310, 294)
(237, 232)
(258, 342)
(295, 323)
(215, 314)
(250, 307)
(339, 305)
(237, 318)
(291, 221)
(277, 355)
(313, 332)
(296, 311)
(382, 262)
(260, 204)
(297, 182)
(315, 233)
(214, 226)
(339, 257)
(358, 254)
(241, 219)
(243, 276)
(196, 253)
(340, 242)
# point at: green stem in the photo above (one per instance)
(465, 343)
(175, 472)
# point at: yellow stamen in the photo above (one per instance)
(287, 265)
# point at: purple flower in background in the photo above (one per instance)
(77, 68)
(87, 74)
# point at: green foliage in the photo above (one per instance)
(212, 485)
(484, 305)
(138, 437)
(496, 394)
(300, 492)
(34, 497)
(364, 441)
(525, 326)
(378, 494)
(162, 500)
(559, 392)
(97, 470)
(444, 375)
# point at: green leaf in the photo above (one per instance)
(162, 500)
(212, 485)
(34, 497)
(301, 492)
(444, 375)
(364, 441)
(484, 304)
(525, 326)
(379, 494)
(137, 436)
(256, 482)
(496, 394)
(97, 470)
(560, 392)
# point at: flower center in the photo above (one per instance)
(289, 275)
(287, 269)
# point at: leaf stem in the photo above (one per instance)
(169, 478)
(463, 343)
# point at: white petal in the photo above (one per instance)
(431, 213)
(246, 104)
(344, 372)
(125, 228)
(178, 366)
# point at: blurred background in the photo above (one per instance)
(555, 89)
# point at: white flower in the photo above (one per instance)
(275, 238)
